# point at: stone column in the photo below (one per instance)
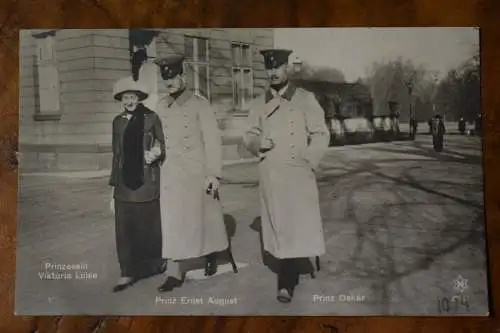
(48, 77)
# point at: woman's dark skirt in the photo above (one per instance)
(138, 238)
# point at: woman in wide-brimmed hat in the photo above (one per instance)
(138, 150)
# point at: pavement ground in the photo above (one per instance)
(404, 229)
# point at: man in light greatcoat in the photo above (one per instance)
(191, 212)
(287, 131)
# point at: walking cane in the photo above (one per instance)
(313, 274)
(231, 258)
(228, 250)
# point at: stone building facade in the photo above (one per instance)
(67, 77)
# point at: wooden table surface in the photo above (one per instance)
(15, 14)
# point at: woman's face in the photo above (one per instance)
(130, 101)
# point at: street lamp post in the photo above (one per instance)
(413, 120)
(436, 83)
(394, 119)
(297, 65)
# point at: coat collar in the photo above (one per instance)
(181, 99)
(127, 115)
(287, 92)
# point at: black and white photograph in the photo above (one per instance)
(242, 172)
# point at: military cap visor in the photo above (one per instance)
(274, 58)
(170, 66)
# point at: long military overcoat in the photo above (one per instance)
(290, 214)
(192, 220)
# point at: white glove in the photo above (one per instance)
(151, 155)
(156, 151)
(266, 145)
(212, 185)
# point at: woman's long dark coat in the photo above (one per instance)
(137, 212)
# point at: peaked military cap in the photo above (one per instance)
(170, 66)
(274, 58)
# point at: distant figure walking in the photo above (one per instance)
(461, 126)
(429, 123)
(478, 124)
(438, 131)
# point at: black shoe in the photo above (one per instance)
(210, 264)
(123, 286)
(170, 284)
(285, 295)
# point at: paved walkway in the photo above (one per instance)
(401, 224)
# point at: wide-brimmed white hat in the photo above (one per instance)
(128, 85)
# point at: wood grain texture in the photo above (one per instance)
(243, 13)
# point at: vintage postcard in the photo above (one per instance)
(312, 172)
